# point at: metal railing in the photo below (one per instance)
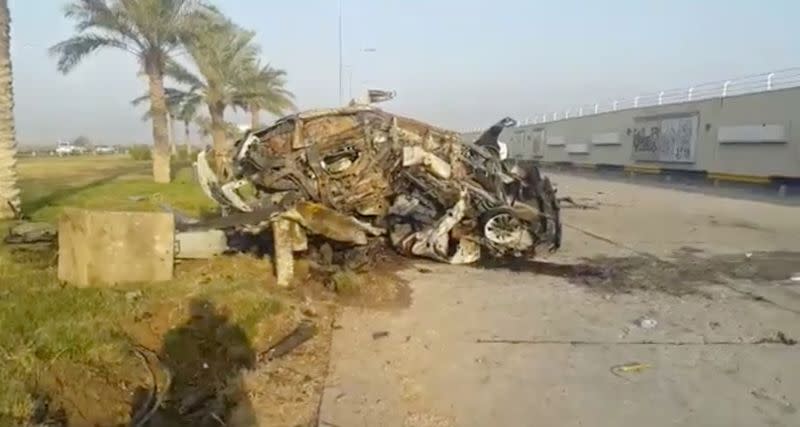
(764, 82)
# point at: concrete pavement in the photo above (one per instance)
(554, 342)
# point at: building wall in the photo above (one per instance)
(755, 134)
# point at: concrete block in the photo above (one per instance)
(108, 248)
(200, 244)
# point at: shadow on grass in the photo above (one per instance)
(204, 357)
(30, 207)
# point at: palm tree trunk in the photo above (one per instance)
(158, 112)
(255, 121)
(9, 192)
(188, 140)
(172, 143)
(219, 140)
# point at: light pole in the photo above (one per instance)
(341, 84)
(349, 70)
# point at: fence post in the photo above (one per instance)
(596, 108)
(544, 117)
(555, 115)
(614, 105)
(661, 97)
(580, 112)
(725, 88)
(691, 90)
(566, 114)
(769, 81)
(636, 101)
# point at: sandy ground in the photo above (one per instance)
(517, 347)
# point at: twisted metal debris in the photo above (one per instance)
(357, 173)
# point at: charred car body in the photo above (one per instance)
(358, 173)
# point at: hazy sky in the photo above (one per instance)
(456, 63)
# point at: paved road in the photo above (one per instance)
(431, 370)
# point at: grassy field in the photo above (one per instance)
(114, 183)
(73, 346)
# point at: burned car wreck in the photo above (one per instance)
(359, 174)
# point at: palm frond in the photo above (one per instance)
(150, 29)
(264, 89)
(98, 15)
(70, 52)
(182, 75)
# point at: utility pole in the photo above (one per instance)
(341, 84)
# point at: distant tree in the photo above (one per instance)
(181, 105)
(188, 113)
(223, 54)
(82, 141)
(263, 89)
(151, 30)
(9, 191)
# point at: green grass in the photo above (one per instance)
(49, 329)
(113, 183)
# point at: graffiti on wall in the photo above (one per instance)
(665, 139)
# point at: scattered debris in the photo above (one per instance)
(31, 232)
(380, 334)
(44, 413)
(133, 296)
(795, 277)
(302, 333)
(785, 406)
(646, 323)
(357, 174)
(632, 367)
(309, 311)
(570, 203)
(155, 394)
(780, 338)
(182, 220)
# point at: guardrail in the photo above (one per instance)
(756, 83)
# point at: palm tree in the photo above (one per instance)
(222, 54)
(264, 91)
(203, 123)
(151, 30)
(174, 99)
(9, 192)
(188, 113)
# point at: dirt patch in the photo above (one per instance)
(207, 331)
(80, 394)
(361, 277)
(685, 273)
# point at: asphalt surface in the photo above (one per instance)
(693, 324)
